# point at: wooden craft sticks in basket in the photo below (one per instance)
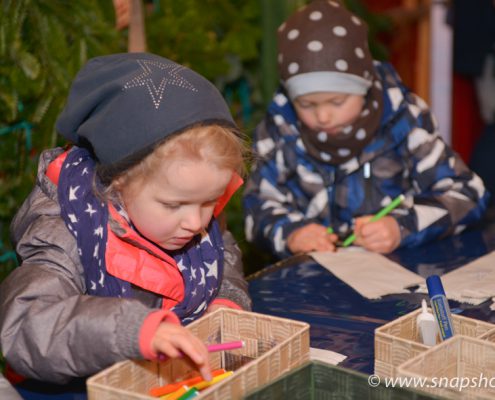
(272, 347)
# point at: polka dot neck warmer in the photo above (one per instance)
(324, 48)
(340, 148)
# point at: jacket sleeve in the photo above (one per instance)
(270, 208)
(234, 287)
(446, 195)
(50, 330)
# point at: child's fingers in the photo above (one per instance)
(175, 341)
(318, 242)
(332, 238)
(312, 237)
(170, 350)
(196, 350)
(360, 222)
(382, 236)
(205, 371)
(191, 346)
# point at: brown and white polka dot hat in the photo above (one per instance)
(324, 47)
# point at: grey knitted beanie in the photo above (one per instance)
(125, 103)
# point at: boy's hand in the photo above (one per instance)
(122, 13)
(175, 341)
(312, 237)
(382, 236)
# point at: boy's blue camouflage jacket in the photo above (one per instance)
(288, 188)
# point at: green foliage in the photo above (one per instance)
(377, 24)
(217, 38)
(43, 43)
(253, 258)
(2, 363)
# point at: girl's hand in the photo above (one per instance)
(382, 236)
(312, 237)
(174, 341)
(214, 307)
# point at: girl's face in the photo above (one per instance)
(327, 111)
(176, 202)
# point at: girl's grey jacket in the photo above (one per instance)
(50, 329)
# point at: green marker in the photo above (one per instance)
(380, 214)
(190, 394)
(330, 230)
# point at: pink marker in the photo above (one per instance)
(225, 346)
(214, 347)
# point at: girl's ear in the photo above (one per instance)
(116, 185)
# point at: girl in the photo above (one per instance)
(342, 137)
(119, 239)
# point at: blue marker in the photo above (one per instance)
(440, 306)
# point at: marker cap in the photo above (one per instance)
(434, 285)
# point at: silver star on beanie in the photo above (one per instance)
(123, 104)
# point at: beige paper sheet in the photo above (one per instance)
(370, 274)
(473, 283)
(327, 356)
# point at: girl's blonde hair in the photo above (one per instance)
(219, 145)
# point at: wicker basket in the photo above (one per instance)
(488, 336)
(453, 364)
(273, 346)
(398, 341)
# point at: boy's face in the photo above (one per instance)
(327, 111)
(176, 202)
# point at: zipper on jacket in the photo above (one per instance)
(367, 183)
(329, 182)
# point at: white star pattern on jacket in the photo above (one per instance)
(200, 262)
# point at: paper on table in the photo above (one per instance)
(327, 356)
(370, 274)
(473, 283)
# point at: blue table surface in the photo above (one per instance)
(341, 319)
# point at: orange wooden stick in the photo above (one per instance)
(172, 387)
(178, 393)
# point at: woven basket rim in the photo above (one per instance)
(258, 315)
(107, 370)
(411, 314)
(439, 347)
(301, 333)
(253, 365)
